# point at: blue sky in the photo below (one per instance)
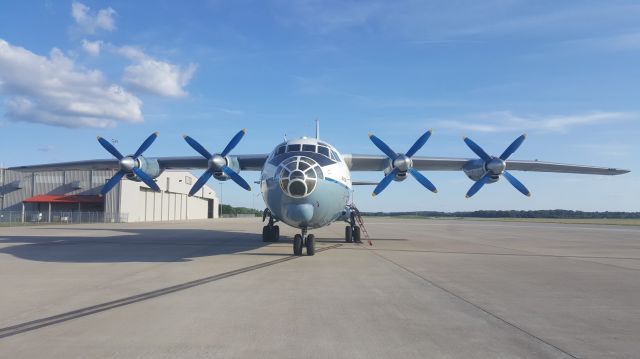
(565, 73)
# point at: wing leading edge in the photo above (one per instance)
(246, 162)
(357, 162)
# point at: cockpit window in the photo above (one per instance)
(293, 148)
(335, 156)
(280, 150)
(323, 150)
(298, 176)
(309, 148)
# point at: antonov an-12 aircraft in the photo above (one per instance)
(306, 182)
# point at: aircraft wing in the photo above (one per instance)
(246, 162)
(378, 163)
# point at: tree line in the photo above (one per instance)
(545, 213)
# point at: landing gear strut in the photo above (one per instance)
(270, 232)
(352, 231)
(304, 240)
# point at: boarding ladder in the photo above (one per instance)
(360, 222)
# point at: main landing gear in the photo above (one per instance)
(270, 232)
(352, 231)
(304, 240)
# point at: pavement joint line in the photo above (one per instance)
(486, 311)
(82, 312)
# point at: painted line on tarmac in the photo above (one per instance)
(78, 313)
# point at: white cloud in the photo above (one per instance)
(103, 20)
(53, 90)
(155, 76)
(506, 121)
(618, 42)
(92, 47)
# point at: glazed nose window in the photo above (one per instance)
(298, 176)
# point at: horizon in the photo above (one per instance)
(208, 69)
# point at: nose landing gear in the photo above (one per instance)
(304, 240)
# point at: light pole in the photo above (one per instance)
(221, 199)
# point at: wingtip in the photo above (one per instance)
(430, 130)
(244, 130)
(373, 194)
(529, 194)
(370, 135)
(156, 133)
(98, 138)
(435, 190)
(467, 196)
(184, 136)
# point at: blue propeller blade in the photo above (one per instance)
(236, 178)
(517, 184)
(385, 182)
(383, 147)
(233, 143)
(477, 149)
(479, 183)
(109, 147)
(200, 182)
(512, 147)
(112, 182)
(145, 145)
(146, 179)
(198, 147)
(423, 180)
(418, 144)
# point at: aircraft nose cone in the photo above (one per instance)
(300, 213)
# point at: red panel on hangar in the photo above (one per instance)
(48, 198)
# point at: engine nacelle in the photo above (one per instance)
(148, 166)
(475, 169)
(232, 162)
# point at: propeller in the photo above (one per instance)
(217, 162)
(402, 163)
(496, 166)
(128, 164)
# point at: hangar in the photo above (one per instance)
(72, 197)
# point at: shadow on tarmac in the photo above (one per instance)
(135, 245)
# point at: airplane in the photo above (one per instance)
(306, 182)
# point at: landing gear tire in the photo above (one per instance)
(297, 245)
(348, 234)
(270, 233)
(311, 245)
(356, 234)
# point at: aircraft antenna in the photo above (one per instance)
(317, 128)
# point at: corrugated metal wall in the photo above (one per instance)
(18, 186)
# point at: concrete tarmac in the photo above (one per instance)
(425, 289)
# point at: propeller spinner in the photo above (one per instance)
(128, 164)
(217, 162)
(401, 163)
(496, 166)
